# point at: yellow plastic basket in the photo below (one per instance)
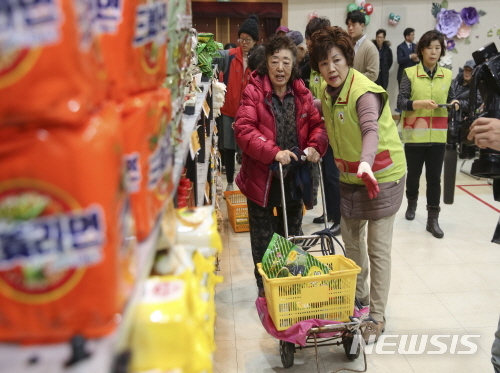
(325, 297)
(237, 211)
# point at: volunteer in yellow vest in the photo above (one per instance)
(425, 124)
(372, 166)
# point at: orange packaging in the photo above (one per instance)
(136, 55)
(148, 156)
(50, 68)
(60, 208)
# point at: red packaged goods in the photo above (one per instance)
(135, 56)
(50, 67)
(148, 156)
(60, 206)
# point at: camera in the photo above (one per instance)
(486, 80)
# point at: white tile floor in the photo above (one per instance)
(446, 286)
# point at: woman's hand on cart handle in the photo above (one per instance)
(365, 173)
(312, 154)
(284, 157)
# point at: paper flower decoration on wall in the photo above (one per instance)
(446, 61)
(455, 24)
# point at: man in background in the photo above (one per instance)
(385, 58)
(407, 56)
(460, 87)
(300, 43)
(366, 59)
(282, 30)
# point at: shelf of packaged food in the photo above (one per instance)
(147, 248)
(189, 123)
(202, 169)
(52, 358)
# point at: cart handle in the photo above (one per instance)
(283, 202)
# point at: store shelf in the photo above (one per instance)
(189, 123)
(202, 172)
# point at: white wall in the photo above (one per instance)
(415, 14)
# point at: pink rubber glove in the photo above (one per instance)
(365, 173)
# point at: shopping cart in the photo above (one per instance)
(330, 296)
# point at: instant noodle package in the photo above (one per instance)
(51, 69)
(61, 201)
(148, 156)
(136, 54)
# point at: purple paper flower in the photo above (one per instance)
(448, 22)
(450, 44)
(470, 16)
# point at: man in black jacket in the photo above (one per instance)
(385, 56)
(459, 90)
(407, 56)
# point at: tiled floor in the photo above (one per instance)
(446, 286)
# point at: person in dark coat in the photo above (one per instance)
(460, 87)
(406, 51)
(385, 56)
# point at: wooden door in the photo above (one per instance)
(205, 24)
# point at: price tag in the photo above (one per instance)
(206, 108)
(194, 144)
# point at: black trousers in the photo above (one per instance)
(432, 156)
(263, 224)
(331, 176)
(229, 163)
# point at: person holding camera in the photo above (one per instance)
(486, 134)
(425, 125)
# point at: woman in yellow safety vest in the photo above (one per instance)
(423, 87)
(370, 157)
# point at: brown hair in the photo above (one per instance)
(322, 41)
(274, 44)
(427, 39)
(315, 24)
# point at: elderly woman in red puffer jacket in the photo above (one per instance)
(275, 122)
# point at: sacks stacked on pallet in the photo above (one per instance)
(81, 112)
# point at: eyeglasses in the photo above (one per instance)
(245, 41)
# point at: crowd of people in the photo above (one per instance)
(295, 99)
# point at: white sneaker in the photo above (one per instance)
(229, 187)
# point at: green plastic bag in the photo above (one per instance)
(284, 259)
